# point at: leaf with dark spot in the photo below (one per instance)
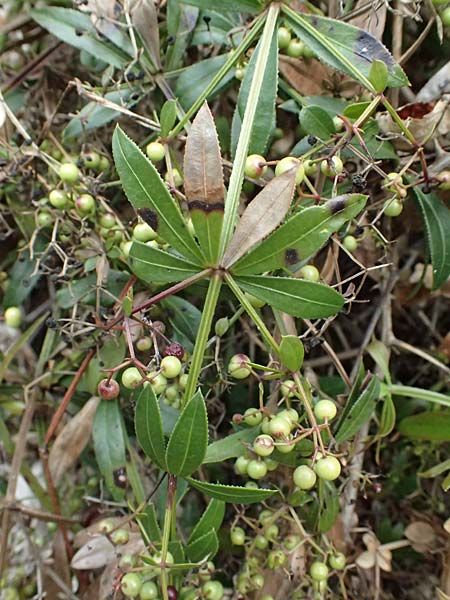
(203, 182)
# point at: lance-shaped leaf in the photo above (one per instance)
(144, 17)
(345, 47)
(150, 197)
(187, 445)
(203, 182)
(153, 265)
(231, 493)
(148, 425)
(203, 547)
(264, 213)
(301, 236)
(357, 411)
(211, 519)
(296, 297)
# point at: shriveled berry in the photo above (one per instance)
(108, 389)
(174, 349)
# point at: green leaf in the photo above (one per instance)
(224, 5)
(387, 418)
(211, 519)
(65, 23)
(148, 425)
(203, 547)
(429, 426)
(446, 483)
(294, 296)
(109, 445)
(195, 79)
(358, 412)
(436, 470)
(231, 446)
(344, 47)
(292, 352)
(301, 236)
(380, 355)
(23, 276)
(150, 197)
(86, 290)
(168, 117)
(187, 445)
(317, 121)
(420, 394)
(149, 523)
(154, 265)
(436, 218)
(378, 75)
(355, 110)
(329, 505)
(184, 318)
(181, 21)
(265, 108)
(231, 493)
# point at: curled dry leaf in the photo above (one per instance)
(95, 554)
(72, 440)
(376, 555)
(373, 20)
(421, 535)
(306, 78)
(264, 213)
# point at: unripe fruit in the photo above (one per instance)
(263, 445)
(325, 409)
(286, 448)
(143, 344)
(256, 469)
(85, 204)
(174, 349)
(127, 561)
(143, 232)
(338, 124)
(444, 178)
(291, 542)
(131, 378)
(267, 597)
(131, 585)
(254, 166)
(350, 243)
(308, 52)
(237, 535)
(310, 168)
(105, 526)
(332, 167)
(284, 37)
(290, 162)
(91, 160)
(265, 425)
(239, 73)
(289, 414)
(58, 199)
(295, 48)
(177, 178)
(158, 382)
(213, 590)
(149, 591)
(271, 532)
(241, 465)
(251, 485)
(155, 151)
(107, 220)
(328, 468)
(261, 542)
(392, 181)
(288, 388)
(393, 208)
(44, 218)
(108, 389)
(10, 593)
(182, 382)
(126, 247)
(157, 557)
(252, 417)
(238, 367)
(265, 516)
(318, 571)
(69, 173)
(337, 561)
(304, 477)
(279, 427)
(257, 581)
(170, 367)
(310, 273)
(120, 536)
(276, 559)
(104, 164)
(272, 464)
(13, 317)
(205, 571)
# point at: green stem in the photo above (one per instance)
(232, 60)
(252, 313)
(168, 519)
(209, 307)
(237, 174)
(391, 110)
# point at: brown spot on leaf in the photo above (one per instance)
(203, 206)
(336, 204)
(369, 49)
(291, 256)
(150, 217)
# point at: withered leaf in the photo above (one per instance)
(95, 554)
(72, 440)
(203, 176)
(145, 19)
(264, 213)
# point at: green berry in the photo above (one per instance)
(304, 477)
(107, 220)
(149, 591)
(205, 571)
(291, 542)
(265, 425)
(295, 48)
(177, 178)
(279, 427)
(213, 590)
(443, 178)
(350, 243)
(126, 247)
(265, 516)
(310, 168)
(127, 561)
(143, 344)
(44, 218)
(120, 536)
(263, 445)
(287, 447)
(318, 571)
(237, 535)
(257, 581)
(392, 181)
(144, 233)
(272, 464)
(256, 469)
(182, 382)
(252, 417)
(105, 526)
(155, 151)
(325, 409)
(288, 388)
(310, 273)
(13, 317)
(271, 532)
(328, 468)
(255, 166)
(337, 561)
(10, 593)
(241, 465)
(239, 73)
(290, 162)
(289, 414)
(238, 367)
(276, 559)
(158, 382)
(261, 542)
(104, 164)
(393, 208)
(332, 166)
(85, 204)
(131, 378)
(338, 124)
(308, 53)
(58, 199)
(171, 367)
(131, 584)
(69, 173)
(91, 160)
(284, 37)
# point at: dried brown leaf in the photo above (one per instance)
(436, 86)
(144, 17)
(420, 534)
(72, 440)
(95, 554)
(440, 595)
(305, 77)
(264, 213)
(373, 21)
(366, 560)
(384, 559)
(203, 175)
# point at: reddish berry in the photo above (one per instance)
(174, 349)
(108, 389)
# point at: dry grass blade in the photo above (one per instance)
(145, 20)
(264, 213)
(203, 175)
